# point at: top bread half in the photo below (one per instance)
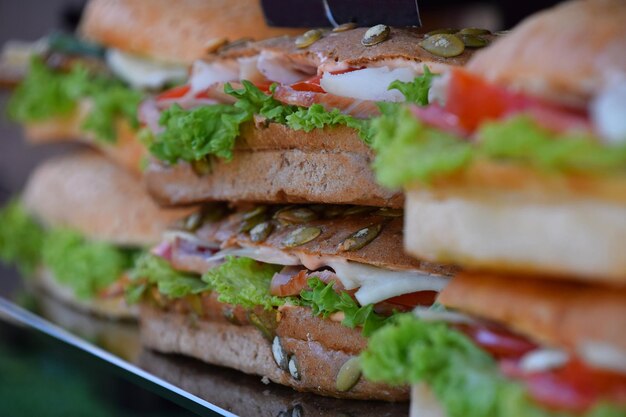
(179, 31)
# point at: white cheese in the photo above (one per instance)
(426, 314)
(143, 73)
(368, 83)
(377, 284)
(608, 111)
(540, 360)
(275, 67)
(204, 74)
(603, 355)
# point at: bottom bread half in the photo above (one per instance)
(315, 366)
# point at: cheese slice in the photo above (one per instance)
(143, 73)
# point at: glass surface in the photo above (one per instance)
(77, 362)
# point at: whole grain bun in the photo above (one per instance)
(565, 53)
(111, 308)
(571, 238)
(243, 347)
(175, 32)
(274, 176)
(126, 150)
(88, 193)
(563, 314)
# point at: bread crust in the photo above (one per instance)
(177, 34)
(244, 348)
(556, 238)
(562, 314)
(566, 53)
(286, 176)
(88, 193)
(125, 151)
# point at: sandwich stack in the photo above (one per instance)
(524, 190)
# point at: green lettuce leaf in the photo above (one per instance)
(193, 135)
(21, 238)
(85, 266)
(417, 90)
(150, 269)
(244, 282)
(324, 301)
(46, 93)
(407, 151)
(464, 378)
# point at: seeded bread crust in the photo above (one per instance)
(88, 193)
(177, 33)
(562, 314)
(244, 348)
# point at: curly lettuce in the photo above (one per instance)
(85, 266)
(21, 238)
(415, 91)
(463, 377)
(46, 93)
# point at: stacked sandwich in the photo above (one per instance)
(516, 171)
(83, 219)
(267, 284)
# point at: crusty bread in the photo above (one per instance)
(582, 239)
(247, 395)
(175, 32)
(562, 314)
(565, 53)
(110, 308)
(125, 151)
(88, 193)
(243, 347)
(285, 176)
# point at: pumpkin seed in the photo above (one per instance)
(444, 45)
(348, 375)
(474, 31)
(297, 411)
(440, 31)
(296, 215)
(376, 34)
(294, 370)
(301, 235)
(345, 27)
(389, 212)
(360, 238)
(214, 44)
(193, 222)
(308, 38)
(254, 212)
(201, 167)
(333, 211)
(261, 231)
(358, 210)
(473, 41)
(280, 355)
(229, 314)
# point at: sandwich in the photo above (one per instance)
(498, 345)
(518, 162)
(86, 87)
(78, 228)
(286, 120)
(290, 293)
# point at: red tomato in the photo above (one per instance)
(498, 341)
(174, 93)
(264, 86)
(421, 298)
(312, 84)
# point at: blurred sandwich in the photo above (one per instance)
(78, 227)
(87, 87)
(287, 119)
(505, 346)
(290, 293)
(518, 164)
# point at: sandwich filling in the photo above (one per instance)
(341, 262)
(90, 269)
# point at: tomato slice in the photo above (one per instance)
(312, 84)
(420, 298)
(174, 93)
(264, 86)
